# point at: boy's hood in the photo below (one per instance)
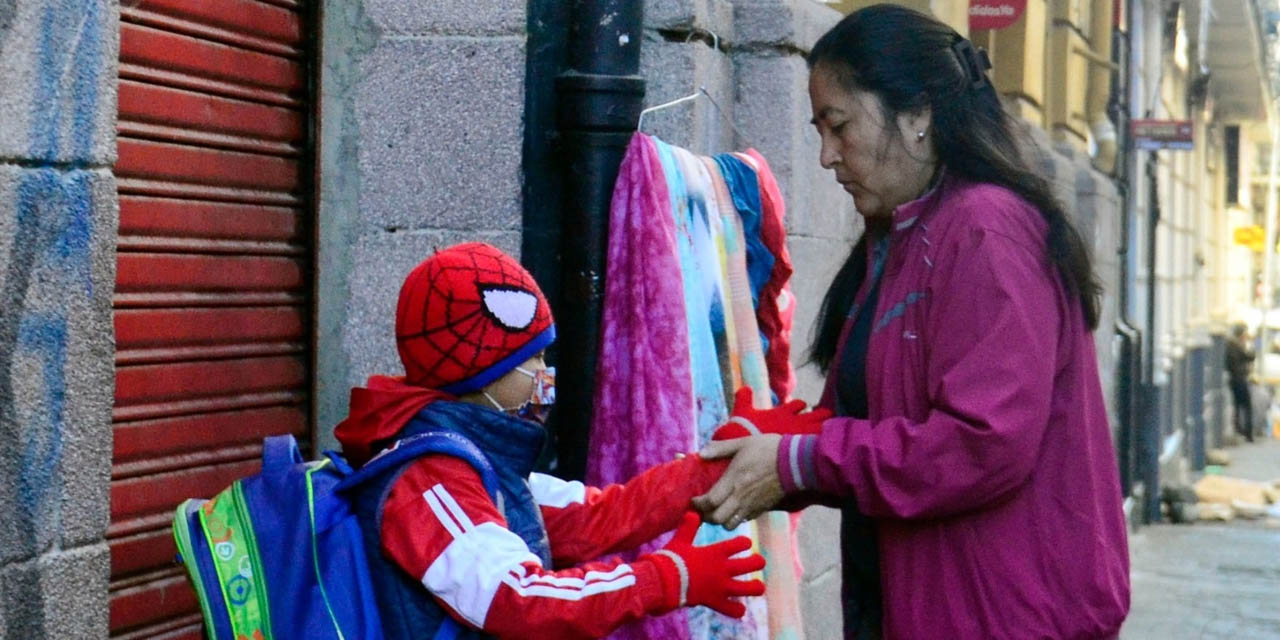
(379, 410)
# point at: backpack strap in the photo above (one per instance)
(406, 450)
(416, 446)
(339, 463)
(279, 454)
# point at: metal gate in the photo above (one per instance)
(212, 305)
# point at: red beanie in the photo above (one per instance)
(468, 315)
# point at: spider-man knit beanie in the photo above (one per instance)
(468, 315)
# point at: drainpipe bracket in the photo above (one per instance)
(599, 102)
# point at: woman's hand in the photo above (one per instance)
(749, 487)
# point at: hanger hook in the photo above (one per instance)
(715, 39)
(702, 91)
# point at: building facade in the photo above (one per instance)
(207, 209)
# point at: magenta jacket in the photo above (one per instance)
(987, 461)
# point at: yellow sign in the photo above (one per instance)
(1252, 236)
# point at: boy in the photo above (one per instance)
(471, 326)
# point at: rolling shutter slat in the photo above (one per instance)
(213, 286)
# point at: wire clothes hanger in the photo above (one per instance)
(701, 92)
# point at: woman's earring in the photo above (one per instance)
(920, 135)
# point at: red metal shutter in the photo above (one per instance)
(212, 305)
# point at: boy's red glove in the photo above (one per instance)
(787, 419)
(707, 575)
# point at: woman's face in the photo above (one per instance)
(882, 164)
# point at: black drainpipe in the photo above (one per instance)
(601, 94)
(1149, 437)
(1140, 437)
(1129, 365)
(543, 188)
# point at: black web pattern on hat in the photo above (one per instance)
(468, 330)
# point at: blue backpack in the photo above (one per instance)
(280, 554)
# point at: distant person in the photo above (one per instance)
(1239, 361)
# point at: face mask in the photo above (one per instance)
(541, 397)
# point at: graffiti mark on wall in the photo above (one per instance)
(48, 269)
(8, 8)
(44, 334)
(51, 259)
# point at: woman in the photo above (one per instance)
(970, 450)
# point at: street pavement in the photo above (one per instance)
(1210, 579)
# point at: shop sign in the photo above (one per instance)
(1157, 135)
(994, 14)
(1252, 236)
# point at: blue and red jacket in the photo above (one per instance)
(521, 565)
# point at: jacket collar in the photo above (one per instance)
(510, 442)
(908, 214)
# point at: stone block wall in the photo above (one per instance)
(58, 218)
(422, 109)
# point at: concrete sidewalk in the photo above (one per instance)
(1210, 580)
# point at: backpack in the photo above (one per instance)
(280, 555)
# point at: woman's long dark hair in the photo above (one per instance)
(909, 61)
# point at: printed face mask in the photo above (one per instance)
(541, 398)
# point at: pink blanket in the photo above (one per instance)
(643, 378)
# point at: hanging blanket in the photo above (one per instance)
(774, 528)
(680, 334)
(644, 411)
(776, 310)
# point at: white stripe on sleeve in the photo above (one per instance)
(577, 583)
(466, 576)
(796, 476)
(573, 589)
(452, 506)
(441, 513)
(550, 491)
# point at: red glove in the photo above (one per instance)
(706, 575)
(786, 419)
